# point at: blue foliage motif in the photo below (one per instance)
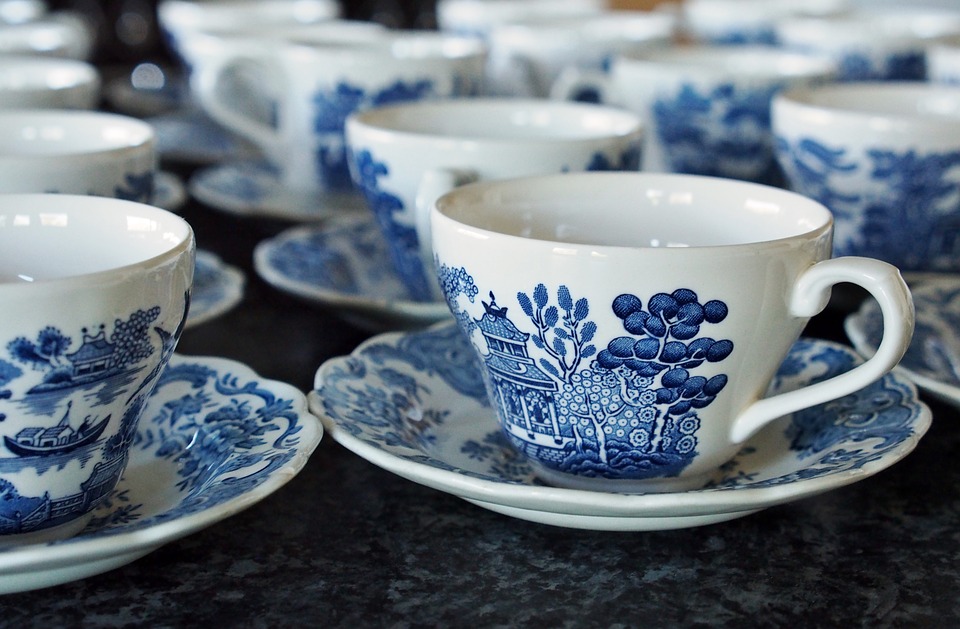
(631, 411)
(331, 109)
(723, 133)
(909, 216)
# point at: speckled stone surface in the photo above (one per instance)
(347, 544)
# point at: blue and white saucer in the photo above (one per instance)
(194, 463)
(169, 192)
(344, 265)
(254, 188)
(217, 288)
(189, 136)
(933, 359)
(414, 404)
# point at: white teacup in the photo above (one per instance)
(29, 82)
(314, 87)
(476, 18)
(57, 34)
(707, 108)
(885, 158)
(77, 152)
(180, 17)
(405, 156)
(630, 323)
(872, 44)
(94, 294)
(527, 57)
(748, 22)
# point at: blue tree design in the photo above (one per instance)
(564, 337)
(48, 351)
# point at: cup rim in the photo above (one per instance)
(815, 103)
(384, 121)
(143, 133)
(748, 61)
(180, 237)
(814, 223)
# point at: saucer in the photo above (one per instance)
(414, 404)
(254, 188)
(344, 265)
(169, 192)
(217, 287)
(189, 136)
(199, 457)
(933, 359)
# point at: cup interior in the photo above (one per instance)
(51, 133)
(906, 100)
(52, 236)
(501, 119)
(635, 210)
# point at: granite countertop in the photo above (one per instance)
(348, 544)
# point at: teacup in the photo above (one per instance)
(315, 86)
(94, 293)
(629, 324)
(707, 108)
(57, 34)
(405, 156)
(527, 57)
(30, 82)
(883, 157)
(877, 44)
(77, 152)
(476, 18)
(747, 22)
(20, 11)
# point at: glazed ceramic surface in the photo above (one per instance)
(415, 404)
(606, 375)
(933, 358)
(305, 91)
(882, 156)
(95, 295)
(476, 18)
(63, 33)
(77, 152)
(405, 156)
(215, 439)
(254, 188)
(217, 288)
(344, 265)
(31, 82)
(707, 108)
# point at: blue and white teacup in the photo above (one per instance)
(94, 294)
(35, 82)
(885, 158)
(77, 152)
(405, 156)
(629, 324)
(747, 22)
(878, 44)
(707, 108)
(314, 85)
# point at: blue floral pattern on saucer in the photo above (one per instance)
(933, 359)
(215, 437)
(344, 265)
(415, 404)
(217, 288)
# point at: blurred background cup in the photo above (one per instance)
(707, 108)
(405, 156)
(28, 82)
(314, 86)
(77, 152)
(887, 43)
(746, 22)
(476, 18)
(56, 34)
(943, 61)
(630, 323)
(526, 57)
(94, 293)
(885, 158)
(20, 11)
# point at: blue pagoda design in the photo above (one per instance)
(96, 355)
(531, 415)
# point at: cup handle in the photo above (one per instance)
(434, 183)
(573, 83)
(810, 295)
(205, 82)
